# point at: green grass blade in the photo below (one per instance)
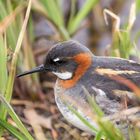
(55, 14)
(16, 119)
(3, 65)
(82, 119)
(10, 81)
(44, 7)
(15, 55)
(137, 5)
(89, 4)
(99, 136)
(12, 130)
(12, 30)
(3, 72)
(64, 33)
(3, 14)
(134, 133)
(109, 130)
(9, 15)
(72, 10)
(95, 108)
(54, 11)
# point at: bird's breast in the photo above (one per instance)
(66, 98)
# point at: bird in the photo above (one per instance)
(78, 70)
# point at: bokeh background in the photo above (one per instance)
(52, 21)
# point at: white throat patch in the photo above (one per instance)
(64, 75)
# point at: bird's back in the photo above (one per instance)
(108, 76)
(110, 66)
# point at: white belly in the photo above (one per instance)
(73, 119)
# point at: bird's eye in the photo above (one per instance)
(58, 61)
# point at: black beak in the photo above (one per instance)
(40, 68)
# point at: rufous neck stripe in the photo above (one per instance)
(84, 61)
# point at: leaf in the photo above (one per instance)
(3, 65)
(16, 119)
(37, 122)
(82, 119)
(99, 135)
(137, 5)
(72, 26)
(95, 108)
(10, 18)
(53, 13)
(12, 130)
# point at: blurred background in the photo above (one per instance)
(107, 27)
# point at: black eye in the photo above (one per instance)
(58, 61)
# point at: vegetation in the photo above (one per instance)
(16, 54)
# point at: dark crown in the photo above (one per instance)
(67, 49)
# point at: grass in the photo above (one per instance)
(12, 130)
(15, 34)
(52, 11)
(16, 119)
(7, 88)
(107, 129)
(122, 46)
(76, 20)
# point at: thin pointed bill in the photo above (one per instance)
(40, 68)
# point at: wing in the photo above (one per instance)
(118, 67)
(116, 64)
(106, 70)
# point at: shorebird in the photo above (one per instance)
(76, 67)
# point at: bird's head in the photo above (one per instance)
(66, 60)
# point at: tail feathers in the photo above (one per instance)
(130, 116)
(126, 120)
